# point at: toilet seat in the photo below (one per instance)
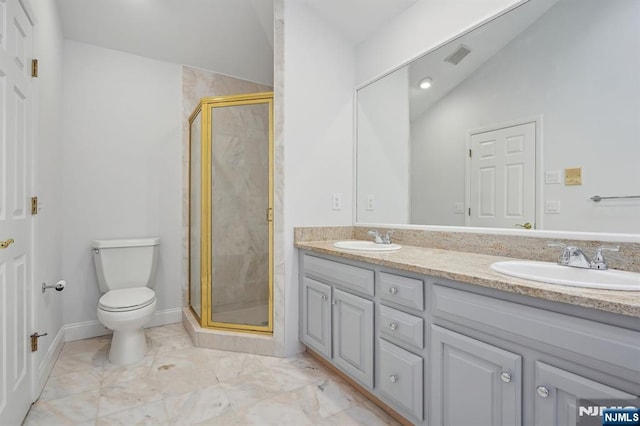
(126, 299)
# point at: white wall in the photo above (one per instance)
(47, 169)
(422, 27)
(122, 171)
(319, 69)
(588, 121)
(383, 150)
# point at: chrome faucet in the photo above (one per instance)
(576, 258)
(379, 239)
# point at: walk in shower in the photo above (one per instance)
(231, 212)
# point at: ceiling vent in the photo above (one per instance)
(460, 53)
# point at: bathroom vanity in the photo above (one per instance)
(441, 339)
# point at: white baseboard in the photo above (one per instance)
(48, 361)
(88, 329)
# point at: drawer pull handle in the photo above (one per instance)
(393, 290)
(506, 377)
(393, 326)
(542, 391)
(393, 378)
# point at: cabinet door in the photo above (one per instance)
(353, 336)
(316, 316)
(558, 391)
(473, 383)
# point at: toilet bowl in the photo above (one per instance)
(126, 272)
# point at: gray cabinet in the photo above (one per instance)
(400, 377)
(473, 383)
(449, 353)
(336, 323)
(353, 335)
(558, 391)
(316, 316)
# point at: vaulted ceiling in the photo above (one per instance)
(233, 37)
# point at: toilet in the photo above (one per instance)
(125, 270)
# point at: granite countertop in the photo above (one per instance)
(475, 269)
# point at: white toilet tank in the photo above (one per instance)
(125, 263)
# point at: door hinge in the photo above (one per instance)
(34, 68)
(469, 211)
(470, 152)
(34, 341)
(269, 214)
(34, 205)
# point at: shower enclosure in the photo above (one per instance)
(231, 212)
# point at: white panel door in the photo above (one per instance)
(502, 177)
(15, 212)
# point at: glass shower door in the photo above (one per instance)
(240, 215)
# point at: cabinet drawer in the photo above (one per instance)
(400, 377)
(355, 278)
(603, 342)
(402, 326)
(404, 291)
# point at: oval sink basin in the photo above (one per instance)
(365, 246)
(553, 273)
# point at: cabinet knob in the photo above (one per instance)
(324, 297)
(393, 290)
(333, 301)
(393, 326)
(393, 378)
(505, 377)
(542, 391)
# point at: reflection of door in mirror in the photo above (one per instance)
(501, 170)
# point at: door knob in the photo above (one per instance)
(526, 225)
(7, 243)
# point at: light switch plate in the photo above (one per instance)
(370, 203)
(552, 207)
(552, 176)
(336, 203)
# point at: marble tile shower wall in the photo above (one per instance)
(240, 189)
(198, 84)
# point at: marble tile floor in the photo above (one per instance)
(179, 384)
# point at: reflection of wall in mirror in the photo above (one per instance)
(582, 79)
(383, 151)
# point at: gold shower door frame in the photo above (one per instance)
(205, 108)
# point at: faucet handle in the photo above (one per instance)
(377, 238)
(610, 248)
(563, 259)
(387, 237)
(599, 261)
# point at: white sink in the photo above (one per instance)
(365, 246)
(553, 273)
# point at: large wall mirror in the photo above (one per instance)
(521, 121)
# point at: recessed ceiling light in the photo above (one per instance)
(425, 83)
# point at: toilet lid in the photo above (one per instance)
(127, 299)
